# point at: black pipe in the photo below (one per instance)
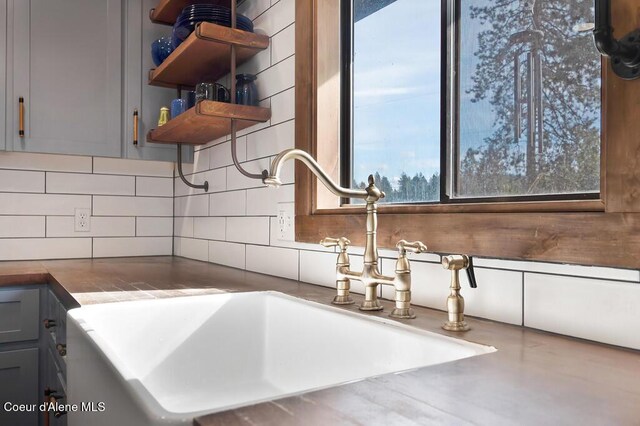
(629, 54)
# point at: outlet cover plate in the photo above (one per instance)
(82, 220)
(286, 222)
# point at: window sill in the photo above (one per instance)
(511, 207)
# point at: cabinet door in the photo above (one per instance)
(19, 315)
(67, 60)
(140, 33)
(19, 384)
(3, 72)
(54, 381)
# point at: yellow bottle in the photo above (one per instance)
(164, 116)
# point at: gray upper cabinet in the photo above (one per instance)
(140, 33)
(65, 60)
(3, 67)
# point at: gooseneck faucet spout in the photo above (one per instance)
(370, 275)
(273, 178)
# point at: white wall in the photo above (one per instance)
(131, 204)
(235, 225)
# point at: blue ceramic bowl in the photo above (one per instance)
(161, 49)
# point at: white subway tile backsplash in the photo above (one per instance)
(562, 269)
(132, 206)
(154, 227)
(216, 179)
(252, 230)
(231, 203)
(228, 254)
(135, 246)
(258, 63)
(273, 261)
(275, 242)
(21, 181)
(279, 16)
(196, 205)
(497, 297)
(73, 183)
(42, 204)
(283, 106)
(264, 201)
(118, 166)
(220, 155)
(200, 163)
(235, 180)
(45, 162)
(44, 248)
(192, 248)
(254, 8)
(22, 227)
(183, 226)
(283, 44)
(277, 78)
(318, 268)
(154, 187)
(64, 226)
(600, 310)
(271, 141)
(209, 228)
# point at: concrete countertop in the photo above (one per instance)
(534, 377)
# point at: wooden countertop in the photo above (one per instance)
(534, 377)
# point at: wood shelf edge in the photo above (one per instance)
(207, 32)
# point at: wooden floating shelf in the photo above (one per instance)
(167, 11)
(207, 121)
(206, 55)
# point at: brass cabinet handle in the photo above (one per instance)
(49, 323)
(135, 126)
(21, 116)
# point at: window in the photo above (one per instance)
(523, 118)
(600, 231)
(396, 87)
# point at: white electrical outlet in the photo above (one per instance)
(83, 220)
(286, 221)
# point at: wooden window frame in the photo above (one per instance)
(604, 231)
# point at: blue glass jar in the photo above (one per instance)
(246, 90)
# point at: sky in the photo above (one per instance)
(397, 92)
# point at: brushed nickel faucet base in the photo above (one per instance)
(402, 313)
(343, 300)
(371, 305)
(456, 326)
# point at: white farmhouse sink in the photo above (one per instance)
(167, 361)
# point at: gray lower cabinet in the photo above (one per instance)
(19, 313)
(32, 355)
(19, 352)
(54, 371)
(66, 63)
(140, 33)
(19, 385)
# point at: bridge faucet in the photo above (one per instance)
(370, 275)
